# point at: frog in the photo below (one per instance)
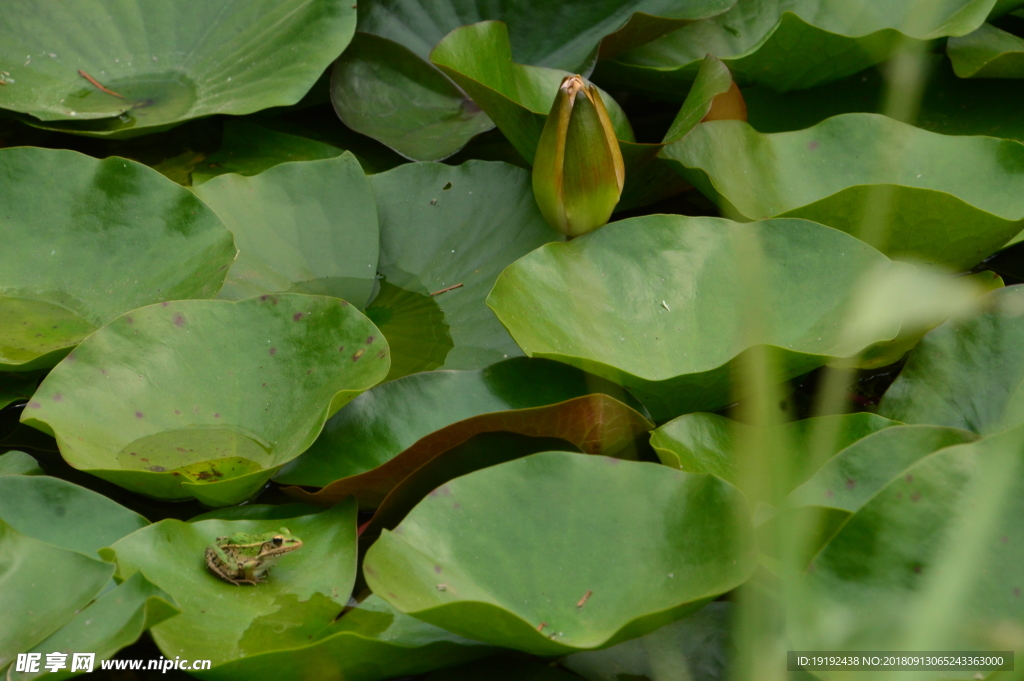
(243, 558)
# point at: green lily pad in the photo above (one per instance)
(384, 435)
(951, 522)
(385, 87)
(947, 200)
(454, 228)
(248, 149)
(382, 89)
(307, 227)
(19, 463)
(948, 104)
(572, 29)
(224, 622)
(258, 512)
(63, 514)
(988, 52)
(42, 586)
(709, 443)
(16, 387)
(114, 620)
(370, 642)
(619, 305)
(480, 451)
(111, 236)
(966, 374)
(695, 648)
(100, 69)
(791, 45)
(618, 563)
(207, 398)
(849, 479)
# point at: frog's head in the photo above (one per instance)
(280, 543)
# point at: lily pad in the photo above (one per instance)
(445, 235)
(382, 89)
(248, 149)
(849, 479)
(709, 443)
(793, 44)
(308, 227)
(63, 514)
(480, 451)
(945, 200)
(695, 648)
(384, 435)
(572, 32)
(948, 104)
(619, 305)
(617, 564)
(43, 586)
(111, 236)
(114, 620)
(19, 463)
(224, 622)
(385, 87)
(965, 374)
(370, 642)
(141, 64)
(988, 52)
(957, 509)
(207, 398)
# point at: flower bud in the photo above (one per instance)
(578, 170)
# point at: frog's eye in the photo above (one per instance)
(277, 540)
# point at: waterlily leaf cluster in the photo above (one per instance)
(305, 270)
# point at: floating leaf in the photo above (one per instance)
(988, 52)
(370, 642)
(207, 398)
(383, 90)
(480, 451)
(19, 463)
(849, 479)
(709, 443)
(792, 45)
(300, 227)
(99, 68)
(695, 648)
(111, 236)
(965, 374)
(384, 435)
(948, 105)
(41, 588)
(895, 551)
(446, 233)
(618, 562)
(618, 304)
(63, 514)
(224, 622)
(114, 620)
(248, 149)
(911, 193)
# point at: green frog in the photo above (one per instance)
(246, 558)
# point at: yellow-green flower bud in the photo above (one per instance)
(578, 170)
